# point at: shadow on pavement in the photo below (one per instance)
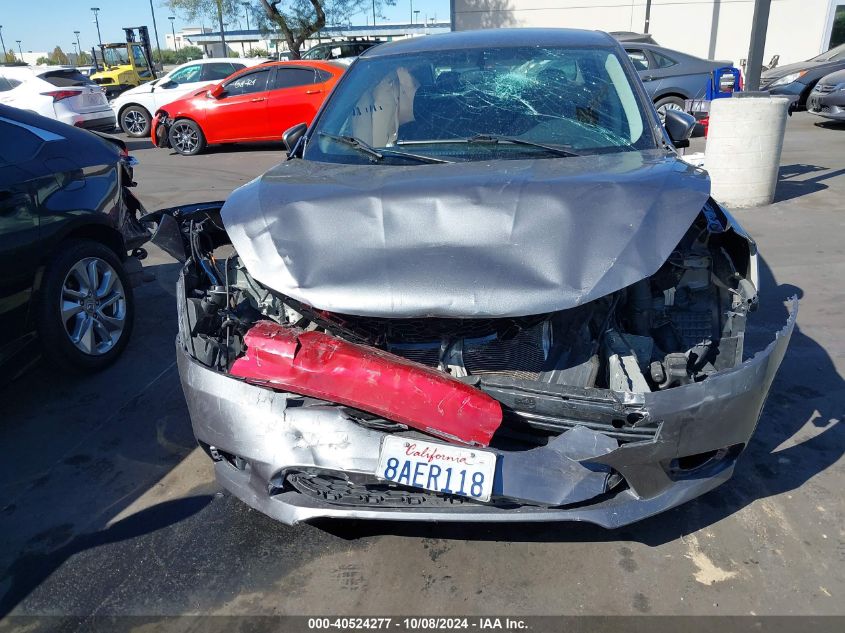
(236, 148)
(30, 570)
(790, 186)
(799, 435)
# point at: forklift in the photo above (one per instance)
(126, 64)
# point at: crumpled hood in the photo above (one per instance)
(499, 238)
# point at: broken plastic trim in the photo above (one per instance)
(322, 366)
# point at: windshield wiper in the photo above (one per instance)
(495, 138)
(379, 154)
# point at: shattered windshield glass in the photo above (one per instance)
(479, 104)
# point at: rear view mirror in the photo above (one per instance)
(292, 135)
(217, 91)
(679, 126)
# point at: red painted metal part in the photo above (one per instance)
(325, 367)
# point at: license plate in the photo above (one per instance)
(92, 99)
(467, 472)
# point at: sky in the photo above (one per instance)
(41, 25)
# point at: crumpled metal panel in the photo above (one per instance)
(501, 238)
(325, 367)
(552, 474)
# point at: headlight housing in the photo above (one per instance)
(788, 79)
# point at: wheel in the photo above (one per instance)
(135, 121)
(85, 309)
(186, 137)
(668, 103)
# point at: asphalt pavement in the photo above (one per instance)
(108, 508)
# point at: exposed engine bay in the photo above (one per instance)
(678, 326)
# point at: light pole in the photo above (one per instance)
(374, 12)
(173, 31)
(412, 12)
(155, 30)
(75, 52)
(96, 10)
(3, 43)
(417, 14)
(19, 49)
(76, 33)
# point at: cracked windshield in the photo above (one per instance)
(482, 105)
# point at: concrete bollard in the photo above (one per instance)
(744, 143)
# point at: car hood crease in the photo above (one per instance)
(476, 239)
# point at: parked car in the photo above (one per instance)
(828, 97)
(256, 104)
(347, 50)
(671, 77)
(135, 107)
(796, 81)
(483, 287)
(68, 223)
(59, 93)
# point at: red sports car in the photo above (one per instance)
(255, 104)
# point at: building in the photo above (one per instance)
(715, 29)
(31, 57)
(243, 41)
(183, 37)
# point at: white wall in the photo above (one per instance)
(797, 28)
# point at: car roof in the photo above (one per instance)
(313, 63)
(26, 72)
(487, 38)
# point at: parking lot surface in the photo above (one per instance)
(108, 508)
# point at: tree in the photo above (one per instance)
(83, 59)
(58, 57)
(298, 20)
(295, 20)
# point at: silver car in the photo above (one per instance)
(482, 287)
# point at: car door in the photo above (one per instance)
(19, 229)
(642, 63)
(296, 95)
(240, 112)
(686, 78)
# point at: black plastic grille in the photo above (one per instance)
(521, 356)
(333, 489)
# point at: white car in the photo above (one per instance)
(135, 107)
(59, 93)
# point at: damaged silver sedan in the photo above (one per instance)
(483, 287)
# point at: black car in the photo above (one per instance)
(828, 97)
(796, 81)
(67, 225)
(339, 50)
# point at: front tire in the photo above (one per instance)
(86, 308)
(668, 103)
(135, 121)
(186, 137)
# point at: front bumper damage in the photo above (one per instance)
(260, 438)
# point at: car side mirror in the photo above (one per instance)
(292, 135)
(679, 126)
(168, 84)
(217, 92)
